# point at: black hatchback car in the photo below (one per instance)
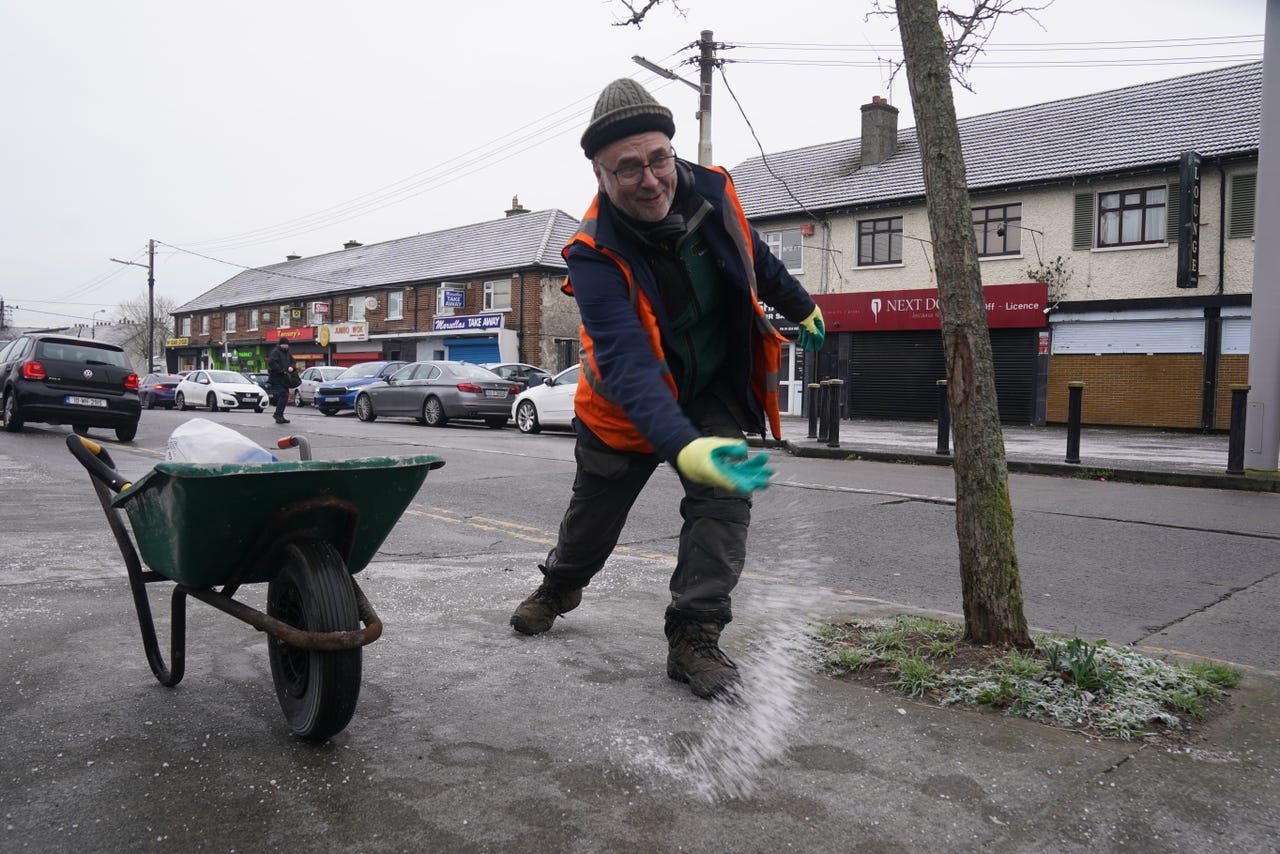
(54, 379)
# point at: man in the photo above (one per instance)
(678, 361)
(281, 375)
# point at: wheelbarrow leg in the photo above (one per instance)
(138, 579)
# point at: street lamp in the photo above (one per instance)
(151, 299)
(93, 322)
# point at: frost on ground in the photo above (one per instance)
(740, 739)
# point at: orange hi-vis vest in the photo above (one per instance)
(593, 402)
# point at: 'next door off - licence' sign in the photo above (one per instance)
(1019, 306)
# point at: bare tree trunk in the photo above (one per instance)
(990, 583)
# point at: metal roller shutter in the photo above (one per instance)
(474, 350)
(895, 374)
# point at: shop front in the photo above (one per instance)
(303, 347)
(887, 348)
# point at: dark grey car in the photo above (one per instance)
(433, 393)
(55, 379)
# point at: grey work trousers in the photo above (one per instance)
(713, 539)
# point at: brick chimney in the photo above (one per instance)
(352, 244)
(292, 257)
(879, 131)
(516, 208)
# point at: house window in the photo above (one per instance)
(1133, 217)
(253, 320)
(880, 241)
(786, 244)
(285, 318)
(1244, 199)
(204, 324)
(186, 327)
(998, 230)
(497, 295)
(395, 305)
(231, 322)
(355, 309)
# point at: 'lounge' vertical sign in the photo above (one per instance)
(1189, 225)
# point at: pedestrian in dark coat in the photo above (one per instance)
(281, 376)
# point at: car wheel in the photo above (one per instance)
(151, 402)
(180, 400)
(9, 415)
(495, 422)
(126, 434)
(433, 412)
(527, 417)
(168, 406)
(297, 399)
(328, 410)
(364, 409)
(80, 429)
(212, 401)
(258, 409)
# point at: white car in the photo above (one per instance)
(549, 404)
(219, 390)
(312, 379)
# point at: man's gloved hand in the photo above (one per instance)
(813, 331)
(723, 462)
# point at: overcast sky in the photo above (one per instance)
(245, 131)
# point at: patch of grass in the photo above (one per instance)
(1095, 474)
(915, 677)
(1217, 674)
(1091, 687)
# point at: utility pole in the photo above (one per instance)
(151, 299)
(151, 305)
(1262, 418)
(706, 62)
(2, 318)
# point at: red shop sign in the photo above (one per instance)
(1019, 306)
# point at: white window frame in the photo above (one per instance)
(253, 320)
(229, 324)
(204, 324)
(787, 242)
(493, 291)
(186, 327)
(395, 305)
(355, 309)
(286, 317)
(446, 310)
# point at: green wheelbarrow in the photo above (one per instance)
(305, 528)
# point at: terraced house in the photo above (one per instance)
(1115, 234)
(487, 292)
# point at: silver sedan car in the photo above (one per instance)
(435, 393)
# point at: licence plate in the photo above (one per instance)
(72, 400)
(495, 392)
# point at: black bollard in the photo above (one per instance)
(813, 399)
(1235, 439)
(835, 390)
(824, 410)
(944, 420)
(1075, 394)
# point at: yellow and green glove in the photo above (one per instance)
(812, 331)
(723, 462)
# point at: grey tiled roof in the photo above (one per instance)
(1216, 113)
(513, 243)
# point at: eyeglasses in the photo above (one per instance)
(633, 173)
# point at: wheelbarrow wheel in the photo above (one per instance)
(317, 690)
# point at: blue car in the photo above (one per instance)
(157, 390)
(340, 393)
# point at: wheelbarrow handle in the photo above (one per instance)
(97, 461)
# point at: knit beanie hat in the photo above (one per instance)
(624, 108)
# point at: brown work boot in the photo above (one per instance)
(536, 614)
(694, 656)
